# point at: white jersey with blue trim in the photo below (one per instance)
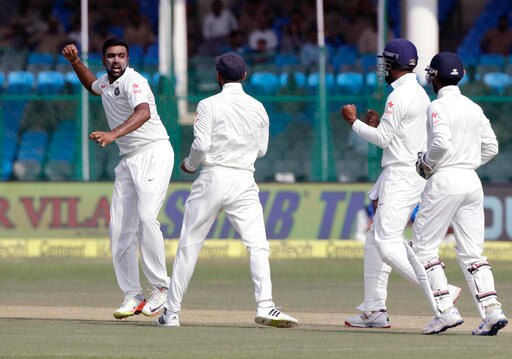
(119, 101)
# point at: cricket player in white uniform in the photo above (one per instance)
(460, 139)
(231, 131)
(141, 177)
(401, 133)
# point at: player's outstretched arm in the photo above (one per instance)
(70, 53)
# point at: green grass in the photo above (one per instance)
(321, 285)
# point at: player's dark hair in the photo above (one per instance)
(115, 42)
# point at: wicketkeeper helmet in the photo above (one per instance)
(445, 65)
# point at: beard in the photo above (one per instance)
(116, 75)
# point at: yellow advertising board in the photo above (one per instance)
(302, 220)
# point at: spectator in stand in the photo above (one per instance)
(261, 55)
(292, 37)
(237, 43)
(334, 26)
(263, 31)
(217, 25)
(99, 36)
(14, 37)
(367, 42)
(498, 40)
(357, 20)
(310, 52)
(75, 32)
(53, 39)
(248, 13)
(139, 32)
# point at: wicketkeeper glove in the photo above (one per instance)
(423, 169)
(185, 168)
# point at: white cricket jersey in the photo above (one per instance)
(402, 129)
(119, 101)
(230, 130)
(459, 134)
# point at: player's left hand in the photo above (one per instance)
(349, 113)
(423, 169)
(102, 138)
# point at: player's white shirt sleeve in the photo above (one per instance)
(264, 136)
(96, 88)
(402, 129)
(439, 124)
(202, 135)
(389, 122)
(489, 141)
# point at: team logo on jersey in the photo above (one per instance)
(435, 118)
(116, 91)
(136, 88)
(389, 107)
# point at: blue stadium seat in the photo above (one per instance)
(497, 81)
(278, 122)
(152, 50)
(264, 83)
(2, 82)
(345, 59)
(136, 55)
(313, 81)
(370, 81)
(31, 154)
(492, 59)
(350, 82)
(61, 152)
(151, 58)
(9, 142)
(95, 62)
(73, 82)
(20, 82)
(38, 61)
(298, 77)
(50, 82)
(286, 59)
(368, 62)
(33, 145)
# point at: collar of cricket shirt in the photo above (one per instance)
(448, 91)
(403, 79)
(232, 86)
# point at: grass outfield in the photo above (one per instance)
(62, 308)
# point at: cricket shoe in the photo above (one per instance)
(369, 319)
(156, 302)
(494, 321)
(129, 307)
(455, 293)
(450, 318)
(273, 317)
(168, 319)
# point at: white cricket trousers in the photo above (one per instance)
(399, 191)
(454, 197)
(234, 191)
(140, 186)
